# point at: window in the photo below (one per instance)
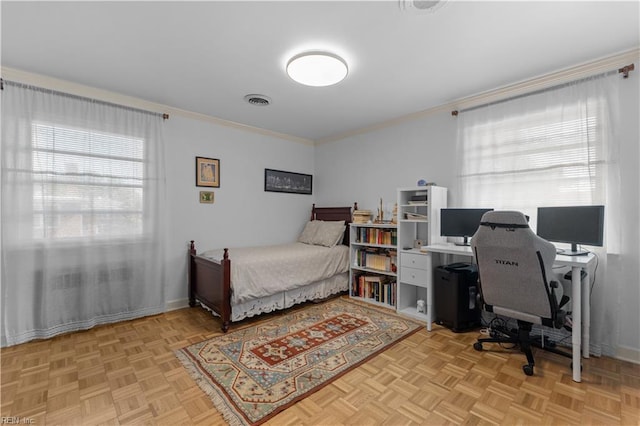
(86, 183)
(556, 147)
(82, 213)
(541, 150)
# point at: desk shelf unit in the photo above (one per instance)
(373, 259)
(418, 225)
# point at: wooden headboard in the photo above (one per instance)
(335, 213)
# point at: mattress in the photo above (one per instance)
(260, 272)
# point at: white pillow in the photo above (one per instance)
(340, 236)
(329, 233)
(309, 232)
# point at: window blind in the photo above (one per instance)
(540, 157)
(86, 183)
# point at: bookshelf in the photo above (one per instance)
(418, 225)
(373, 259)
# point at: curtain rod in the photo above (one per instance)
(624, 71)
(164, 116)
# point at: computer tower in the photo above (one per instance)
(455, 296)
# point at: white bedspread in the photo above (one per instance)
(262, 271)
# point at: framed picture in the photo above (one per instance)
(206, 197)
(208, 172)
(280, 181)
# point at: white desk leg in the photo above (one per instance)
(576, 290)
(429, 261)
(586, 316)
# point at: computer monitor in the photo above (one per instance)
(574, 225)
(460, 223)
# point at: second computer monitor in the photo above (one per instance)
(573, 225)
(460, 223)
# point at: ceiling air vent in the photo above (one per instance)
(421, 6)
(258, 100)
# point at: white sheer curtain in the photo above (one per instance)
(551, 148)
(82, 213)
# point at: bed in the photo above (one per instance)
(269, 278)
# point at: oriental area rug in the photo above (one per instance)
(253, 373)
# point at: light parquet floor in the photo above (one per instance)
(127, 374)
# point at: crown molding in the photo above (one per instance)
(51, 83)
(545, 81)
(531, 85)
(566, 75)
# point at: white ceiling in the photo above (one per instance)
(205, 57)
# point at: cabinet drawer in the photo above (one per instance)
(412, 260)
(413, 276)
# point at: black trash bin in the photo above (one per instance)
(455, 296)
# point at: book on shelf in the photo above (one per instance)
(381, 260)
(375, 287)
(416, 216)
(361, 216)
(377, 236)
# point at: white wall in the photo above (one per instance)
(368, 166)
(242, 213)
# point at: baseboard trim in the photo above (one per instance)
(624, 353)
(173, 305)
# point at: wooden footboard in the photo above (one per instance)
(210, 284)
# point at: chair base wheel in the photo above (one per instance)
(477, 346)
(528, 369)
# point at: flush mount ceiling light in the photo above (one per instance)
(317, 68)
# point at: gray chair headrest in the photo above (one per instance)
(504, 218)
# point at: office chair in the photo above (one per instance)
(514, 270)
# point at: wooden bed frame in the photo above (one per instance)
(210, 281)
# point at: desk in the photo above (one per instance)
(580, 295)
